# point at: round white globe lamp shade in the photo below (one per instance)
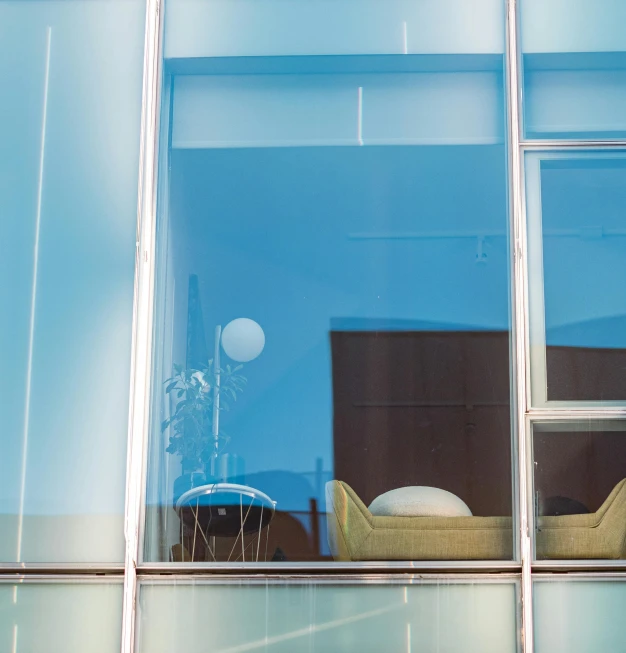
(243, 339)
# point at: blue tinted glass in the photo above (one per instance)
(574, 58)
(332, 315)
(72, 77)
(579, 616)
(340, 618)
(578, 305)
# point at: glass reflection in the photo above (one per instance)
(574, 616)
(577, 250)
(61, 616)
(72, 80)
(270, 28)
(317, 617)
(574, 60)
(333, 314)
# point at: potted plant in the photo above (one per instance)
(199, 393)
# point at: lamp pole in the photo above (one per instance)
(244, 341)
(216, 388)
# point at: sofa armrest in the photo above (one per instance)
(348, 521)
(599, 535)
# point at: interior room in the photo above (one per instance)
(382, 304)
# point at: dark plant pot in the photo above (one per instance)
(186, 482)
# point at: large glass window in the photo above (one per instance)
(577, 247)
(333, 369)
(574, 66)
(321, 616)
(332, 360)
(71, 76)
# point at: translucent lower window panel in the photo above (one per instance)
(574, 68)
(579, 616)
(324, 616)
(219, 28)
(69, 127)
(577, 302)
(61, 616)
(580, 490)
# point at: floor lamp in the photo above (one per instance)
(242, 340)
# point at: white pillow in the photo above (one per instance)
(419, 501)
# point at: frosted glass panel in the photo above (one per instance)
(219, 28)
(370, 108)
(574, 56)
(579, 616)
(573, 26)
(320, 618)
(71, 73)
(61, 617)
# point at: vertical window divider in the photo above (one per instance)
(141, 357)
(518, 279)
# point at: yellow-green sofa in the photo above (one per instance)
(355, 534)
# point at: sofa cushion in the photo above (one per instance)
(419, 501)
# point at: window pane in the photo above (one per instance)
(328, 617)
(333, 230)
(72, 75)
(220, 28)
(579, 616)
(577, 260)
(580, 490)
(61, 616)
(574, 58)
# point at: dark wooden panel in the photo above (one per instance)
(586, 374)
(424, 408)
(584, 465)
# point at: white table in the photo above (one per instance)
(225, 510)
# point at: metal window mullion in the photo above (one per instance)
(142, 316)
(518, 280)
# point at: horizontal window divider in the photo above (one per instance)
(598, 567)
(343, 64)
(42, 577)
(573, 575)
(28, 568)
(570, 144)
(328, 569)
(327, 579)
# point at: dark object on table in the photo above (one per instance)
(558, 506)
(279, 555)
